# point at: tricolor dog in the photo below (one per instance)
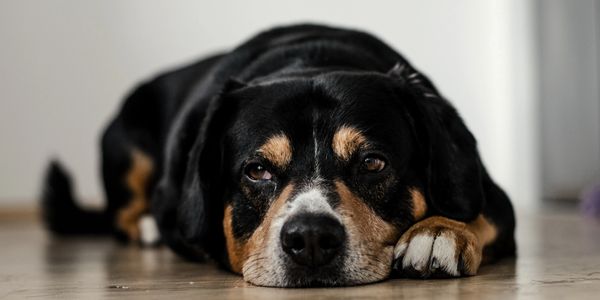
(307, 156)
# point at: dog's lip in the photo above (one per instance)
(332, 269)
(295, 267)
(329, 275)
(324, 280)
(336, 279)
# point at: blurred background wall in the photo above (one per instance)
(569, 39)
(66, 65)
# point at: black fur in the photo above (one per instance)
(60, 212)
(201, 124)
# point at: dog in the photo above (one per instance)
(307, 156)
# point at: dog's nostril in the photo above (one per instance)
(294, 241)
(312, 240)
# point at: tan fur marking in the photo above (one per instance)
(485, 231)
(374, 231)
(346, 141)
(136, 180)
(240, 251)
(278, 150)
(235, 249)
(419, 206)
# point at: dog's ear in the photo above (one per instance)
(407, 75)
(454, 170)
(193, 165)
(205, 169)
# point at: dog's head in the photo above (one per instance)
(310, 180)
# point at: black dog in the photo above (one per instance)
(307, 156)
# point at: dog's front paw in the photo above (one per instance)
(437, 247)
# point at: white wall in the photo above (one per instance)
(65, 66)
(570, 105)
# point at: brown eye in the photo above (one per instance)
(373, 164)
(256, 171)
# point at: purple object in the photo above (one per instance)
(590, 201)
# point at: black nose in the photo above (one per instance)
(312, 240)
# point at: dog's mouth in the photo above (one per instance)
(346, 270)
(321, 276)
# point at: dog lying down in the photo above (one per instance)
(307, 156)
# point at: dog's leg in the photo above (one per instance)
(131, 217)
(441, 247)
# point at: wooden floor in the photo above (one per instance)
(559, 258)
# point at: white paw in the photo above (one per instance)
(437, 247)
(149, 234)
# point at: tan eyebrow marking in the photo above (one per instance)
(278, 150)
(347, 140)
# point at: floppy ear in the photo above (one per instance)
(182, 201)
(454, 180)
(202, 179)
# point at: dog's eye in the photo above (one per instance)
(256, 171)
(373, 164)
